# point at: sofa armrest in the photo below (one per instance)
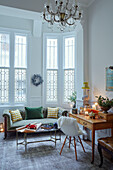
(62, 112)
(7, 119)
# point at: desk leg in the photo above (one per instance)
(93, 145)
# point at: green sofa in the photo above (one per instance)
(9, 126)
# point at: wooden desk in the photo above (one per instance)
(92, 124)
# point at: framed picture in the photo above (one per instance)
(109, 79)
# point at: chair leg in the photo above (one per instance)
(101, 156)
(81, 143)
(69, 141)
(75, 149)
(63, 145)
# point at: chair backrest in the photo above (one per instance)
(68, 126)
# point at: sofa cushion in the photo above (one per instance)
(26, 122)
(15, 115)
(34, 113)
(52, 112)
(45, 112)
(22, 112)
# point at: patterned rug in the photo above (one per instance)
(45, 156)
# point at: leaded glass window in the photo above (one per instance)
(68, 84)
(52, 85)
(20, 85)
(4, 85)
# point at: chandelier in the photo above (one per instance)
(64, 13)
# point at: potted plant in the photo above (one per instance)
(105, 103)
(73, 98)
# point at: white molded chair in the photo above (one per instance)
(70, 128)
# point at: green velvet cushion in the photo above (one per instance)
(34, 113)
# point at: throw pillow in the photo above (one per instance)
(34, 113)
(52, 112)
(15, 115)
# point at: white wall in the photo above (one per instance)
(100, 28)
(100, 48)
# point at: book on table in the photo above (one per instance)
(27, 128)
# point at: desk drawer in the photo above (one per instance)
(74, 116)
(86, 124)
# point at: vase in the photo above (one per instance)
(74, 106)
(105, 109)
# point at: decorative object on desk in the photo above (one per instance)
(73, 98)
(86, 113)
(36, 79)
(74, 111)
(92, 115)
(96, 106)
(85, 98)
(1, 127)
(109, 78)
(105, 103)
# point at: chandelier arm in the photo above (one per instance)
(52, 13)
(77, 18)
(56, 20)
(46, 18)
(68, 17)
(69, 23)
(67, 3)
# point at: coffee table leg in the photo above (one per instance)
(25, 141)
(55, 138)
(17, 139)
(60, 136)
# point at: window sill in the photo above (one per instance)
(17, 105)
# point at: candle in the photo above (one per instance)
(84, 109)
(96, 106)
(2, 129)
(86, 112)
(93, 106)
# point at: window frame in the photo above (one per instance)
(12, 33)
(60, 83)
(67, 35)
(45, 37)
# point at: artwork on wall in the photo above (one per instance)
(109, 79)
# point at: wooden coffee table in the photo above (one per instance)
(52, 136)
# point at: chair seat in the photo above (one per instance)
(107, 143)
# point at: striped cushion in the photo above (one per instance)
(52, 112)
(15, 115)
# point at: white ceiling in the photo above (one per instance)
(35, 5)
